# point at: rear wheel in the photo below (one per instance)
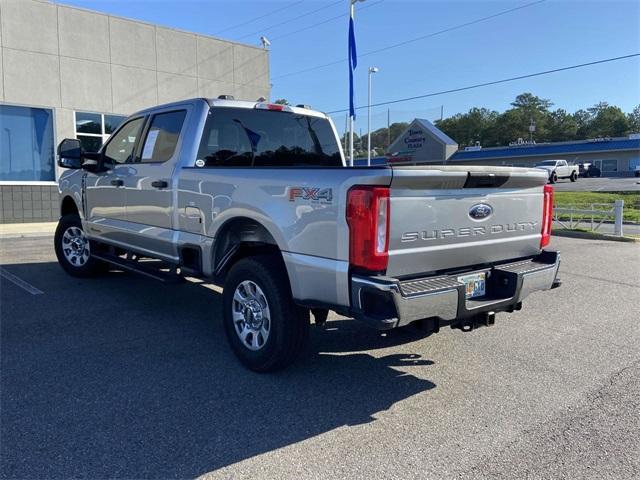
(265, 328)
(73, 249)
(573, 177)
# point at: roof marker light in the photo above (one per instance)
(273, 106)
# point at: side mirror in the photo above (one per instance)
(70, 153)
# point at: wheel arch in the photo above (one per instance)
(68, 206)
(241, 237)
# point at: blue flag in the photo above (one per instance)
(353, 63)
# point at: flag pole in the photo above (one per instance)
(351, 14)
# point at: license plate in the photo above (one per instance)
(475, 284)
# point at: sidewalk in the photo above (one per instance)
(17, 230)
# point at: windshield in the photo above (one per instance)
(546, 163)
(235, 137)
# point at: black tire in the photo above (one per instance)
(553, 178)
(573, 177)
(89, 267)
(288, 323)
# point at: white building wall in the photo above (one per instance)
(69, 59)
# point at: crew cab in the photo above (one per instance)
(256, 198)
(557, 169)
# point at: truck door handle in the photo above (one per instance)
(159, 184)
(117, 182)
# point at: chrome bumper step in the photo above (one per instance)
(389, 303)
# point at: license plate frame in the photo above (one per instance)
(475, 284)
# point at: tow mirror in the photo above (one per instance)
(70, 153)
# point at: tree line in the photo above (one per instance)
(493, 129)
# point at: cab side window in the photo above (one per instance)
(120, 148)
(162, 137)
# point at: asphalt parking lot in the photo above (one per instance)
(122, 377)
(602, 184)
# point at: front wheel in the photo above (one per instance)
(573, 177)
(553, 178)
(73, 249)
(265, 328)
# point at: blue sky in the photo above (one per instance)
(551, 34)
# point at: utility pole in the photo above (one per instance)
(532, 128)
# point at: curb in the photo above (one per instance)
(19, 230)
(593, 236)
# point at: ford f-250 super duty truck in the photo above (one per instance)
(256, 198)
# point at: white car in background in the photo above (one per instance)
(559, 169)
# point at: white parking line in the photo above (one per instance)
(19, 282)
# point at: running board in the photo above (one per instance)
(136, 267)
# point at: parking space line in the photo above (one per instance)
(19, 282)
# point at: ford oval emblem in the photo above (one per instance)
(480, 211)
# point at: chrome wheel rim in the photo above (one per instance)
(251, 317)
(75, 246)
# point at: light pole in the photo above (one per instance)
(372, 70)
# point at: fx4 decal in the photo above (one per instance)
(314, 194)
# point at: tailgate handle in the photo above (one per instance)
(159, 184)
(485, 180)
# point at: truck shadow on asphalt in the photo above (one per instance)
(124, 377)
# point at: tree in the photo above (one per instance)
(634, 120)
(562, 126)
(530, 103)
(468, 128)
(607, 121)
(380, 137)
(582, 119)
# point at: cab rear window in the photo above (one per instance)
(242, 137)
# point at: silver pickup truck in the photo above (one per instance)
(256, 197)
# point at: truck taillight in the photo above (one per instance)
(547, 215)
(368, 220)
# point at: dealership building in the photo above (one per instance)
(423, 143)
(67, 72)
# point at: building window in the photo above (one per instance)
(607, 165)
(93, 129)
(26, 144)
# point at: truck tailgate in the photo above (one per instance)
(447, 217)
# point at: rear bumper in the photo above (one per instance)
(387, 303)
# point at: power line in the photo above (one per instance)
(433, 34)
(456, 27)
(341, 16)
(262, 30)
(257, 18)
(495, 82)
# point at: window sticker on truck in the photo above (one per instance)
(315, 194)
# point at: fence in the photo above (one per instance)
(593, 217)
